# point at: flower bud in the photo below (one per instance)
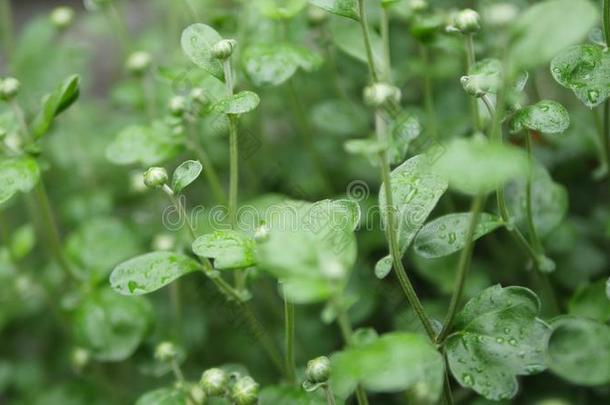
(261, 233)
(9, 88)
(62, 17)
(138, 62)
(196, 396)
(214, 382)
(471, 87)
(418, 5)
(318, 370)
(381, 94)
(245, 391)
(177, 106)
(224, 49)
(79, 358)
(467, 21)
(198, 95)
(155, 177)
(165, 351)
(316, 16)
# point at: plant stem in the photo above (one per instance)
(470, 61)
(534, 237)
(6, 26)
(367, 41)
(209, 170)
(606, 20)
(177, 371)
(330, 397)
(390, 220)
(605, 137)
(233, 149)
(385, 39)
(181, 210)
(120, 25)
(289, 339)
(429, 93)
(463, 266)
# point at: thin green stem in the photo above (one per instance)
(6, 27)
(429, 93)
(233, 149)
(176, 370)
(605, 139)
(470, 61)
(6, 241)
(289, 339)
(367, 41)
(330, 397)
(463, 266)
(385, 39)
(210, 171)
(606, 20)
(534, 237)
(120, 27)
(181, 210)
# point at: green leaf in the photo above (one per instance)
(549, 202)
(345, 8)
(498, 338)
(164, 396)
(273, 64)
(383, 267)
(185, 174)
(343, 32)
(149, 272)
(485, 76)
(404, 129)
(240, 103)
(546, 116)
(591, 302)
(584, 69)
(415, 192)
(229, 249)
(54, 104)
(548, 27)
(142, 144)
(280, 9)
(111, 326)
(197, 42)
(579, 350)
(23, 241)
(476, 166)
(17, 174)
(366, 147)
(448, 234)
(392, 363)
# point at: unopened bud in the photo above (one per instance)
(165, 351)
(224, 49)
(155, 177)
(138, 62)
(214, 382)
(245, 391)
(62, 17)
(467, 21)
(318, 370)
(381, 94)
(177, 106)
(9, 88)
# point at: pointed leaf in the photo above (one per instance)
(17, 175)
(345, 8)
(229, 249)
(546, 116)
(185, 174)
(54, 104)
(383, 267)
(197, 42)
(240, 103)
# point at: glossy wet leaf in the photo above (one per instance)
(273, 64)
(54, 104)
(17, 175)
(111, 326)
(591, 302)
(383, 267)
(547, 28)
(240, 103)
(229, 249)
(549, 202)
(142, 144)
(185, 174)
(392, 363)
(197, 42)
(416, 191)
(448, 234)
(164, 396)
(339, 117)
(584, 69)
(476, 166)
(484, 76)
(404, 129)
(149, 272)
(280, 9)
(579, 350)
(345, 8)
(497, 338)
(546, 116)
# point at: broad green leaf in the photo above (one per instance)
(392, 363)
(54, 104)
(197, 42)
(549, 202)
(280, 9)
(310, 247)
(367, 147)
(185, 174)
(441, 272)
(17, 174)
(584, 69)
(344, 33)
(23, 241)
(345, 8)
(142, 144)
(149, 272)
(339, 117)
(99, 245)
(383, 267)
(164, 396)
(404, 129)
(591, 302)
(289, 394)
(548, 27)
(240, 103)
(498, 337)
(484, 76)
(476, 166)
(447, 234)
(111, 326)
(273, 64)
(415, 192)
(546, 116)
(229, 249)
(579, 350)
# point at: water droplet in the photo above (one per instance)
(468, 380)
(593, 96)
(544, 108)
(499, 340)
(507, 330)
(452, 237)
(512, 342)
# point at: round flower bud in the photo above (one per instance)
(198, 95)
(224, 49)
(62, 17)
(165, 351)
(381, 94)
(9, 88)
(261, 233)
(316, 16)
(245, 391)
(138, 62)
(177, 106)
(196, 396)
(471, 87)
(155, 177)
(214, 382)
(418, 5)
(467, 21)
(79, 358)
(318, 370)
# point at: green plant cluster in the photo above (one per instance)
(285, 202)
